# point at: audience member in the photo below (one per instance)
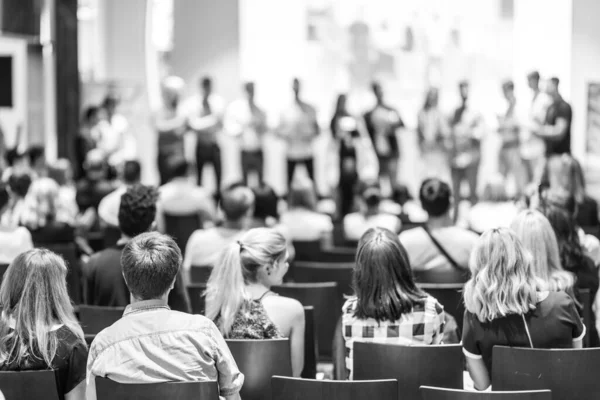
(38, 328)
(164, 344)
(86, 139)
(92, 188)
(301, 220)
(103, 273)
(108, 208)
(495, 210)
(18, 163)
(239, 297)
(205, 245)
(18, 186)
(13, 240)
(440, 245)
(370, 215)
(506, 306)
(388, 305)
(37, 160)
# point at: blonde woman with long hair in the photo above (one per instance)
(239, 297)
(38, 328)
(506, 305)
(537, 236)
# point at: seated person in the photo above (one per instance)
(153, 344)
(369, 216)
(239, 297)
(18, 163)
(34, 275)
(103, 275)
(495, 210)
(13, 240)
(205, 245)
(452, 246)
(37, 160)
(301, 220)
(387, 299)
(95, 185)
(18, 186)
(108, 209)
(505, 306)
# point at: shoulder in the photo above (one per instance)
(292, 306)
(556, 300)
(412, 235)
(23, 233)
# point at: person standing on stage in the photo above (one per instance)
(509, 131)
(433, 132)
(299, 127)
(248, 122)
(382, 123)
(556, 129)
(171, 124)
(465, 151)
(204, 113)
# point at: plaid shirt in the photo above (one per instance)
(424, 325)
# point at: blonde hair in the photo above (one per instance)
(238, 266)
(564, 171)
(34, 295)
(43, 204)
(502, 281)
(537, 236)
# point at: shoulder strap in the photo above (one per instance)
(527, 330)
(440, 247)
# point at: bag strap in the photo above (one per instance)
(527, 330)
(441, 248)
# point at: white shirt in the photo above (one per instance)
(206, 126)
(356, 224)
(13, 243)
(205, 246)
(180, 196)
(108, 209)
(299, 126)
(489, 215)
(306, 225)
(248, 124)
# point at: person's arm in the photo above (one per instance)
(229, 377)
(552, 132)
(479, 373)
(78, 393)
(297, 340)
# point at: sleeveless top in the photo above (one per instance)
(252, 322)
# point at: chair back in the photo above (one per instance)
(29, 385)
(412, 366)
(111, 390)
(569, 373)
(307, 250)
(68, 251)
(196, 295)
(181, 227)
(326, 300)
(310, 344)
(259, 360)
(441, 275)
(450, 296)
(95, 318)
(315, 272)
(435, 393)
(3, 268)
(338, 255)
(200, 273)
(308, 389)
(585, 298)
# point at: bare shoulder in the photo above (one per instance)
(291, 306)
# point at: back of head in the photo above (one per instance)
(495, 190)
(34, 298)
(238, 266)
(508, 86)
(435, 196)
(502, 280)
(302, 195)
(150, 263)
(19, 184)
(36, 153)
(237, 202)
(43, 205)
(534, 75)
(265, 202)
(4, 197)
(137, 211)
(132, 172)
(13, 155)
(371, 196)
(564, 171)
(383, 280)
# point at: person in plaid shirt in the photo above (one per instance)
(388, 306)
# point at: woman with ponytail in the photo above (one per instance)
(239, 298)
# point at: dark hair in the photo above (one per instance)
(89, 113)
(179, 167)
(35, 153)
(110, 101)
(137, 210)
(4, 196)
(132, 172)
(248, 86)
(265, 202)
(150, 263)
(19, 184)
(370, 193)
(13, 155)
(382, 279)
(435, 196)
(534, 75)
(206, 81)
(508, 85)
(401, 194)
(236, 202)
(555, 80)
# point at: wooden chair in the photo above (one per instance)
(585, 298)
(442, 276)
(95, 318)
(338, 255)
(3, 268)
(307, 250)
(412, 366)
(68, 251)
(309, 389)
(111, 390)
(310, 344)
(196, 295)
(450, 296)
(325, 298)
(200, 273)
(181, 227)
(29, 385)
(259, 360)
(315, 272)
(569, 373)
(435, 393)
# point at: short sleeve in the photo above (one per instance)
(77, 367)
(470, 348)
(230, 378)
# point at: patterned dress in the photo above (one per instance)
(252, 322)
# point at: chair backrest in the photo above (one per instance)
(314, 272)
(181, 227)
(200, 273)
(68, 251)
(94, 318)
(111, 390)
(325, 298)
(308, 389)
(3, 268)
(569, 373)
(450, 296)
(29, 385)
(259, 360)
(441, 275)
(310, 344)
(338, 255)
(585, 297)
(412, 366)
(307, 250)
(196, 295)
(435, 393)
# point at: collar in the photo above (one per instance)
(144, 305)
(12, 323)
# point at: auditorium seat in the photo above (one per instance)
(308, 389)
(196, 295)
(585, 298)
(259, 360)
(201, 390)
(436, 393)
(181, 227)
(412, 366)
(325, 299)
(29, 385)
(94, 318)
(338, 255)
(571, 374)
(307, 250)
(315, 272)
(200, 273)
(310, 344)
(445, 276)
(68, 251)
(450, 296)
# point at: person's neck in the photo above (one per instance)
(440, 222)
(163, 300)
(256, 290)
(237, 225)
